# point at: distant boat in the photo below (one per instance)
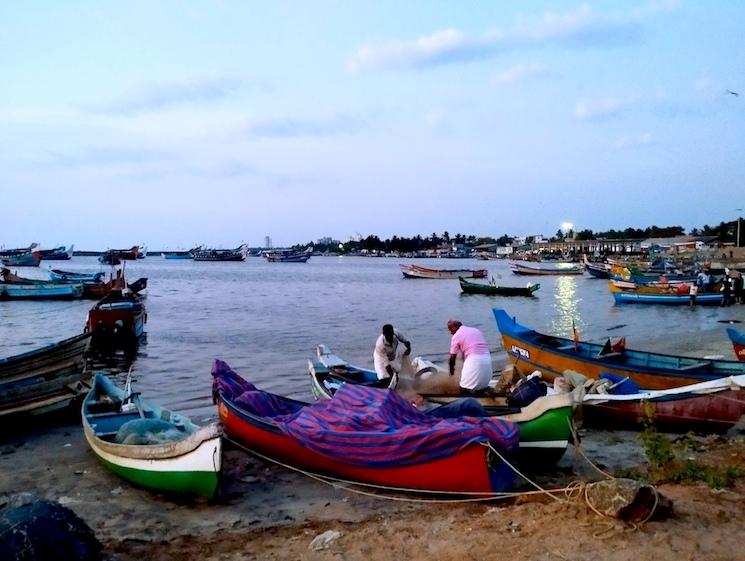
(288, 255)
(61, 253)
(28, 259)
(599, 270)
(545, 268)
(187, 254)
(58, 275)
(495, 290)
(44, 380)
(116, 256)
(149, 445)
(417, 272)
(18, 251)
(237, 254)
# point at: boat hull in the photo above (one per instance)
(738, 343)
(417, 272)
(491, 290)
(527, 268)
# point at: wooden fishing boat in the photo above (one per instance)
(673, 295)
(188, 254)
(599, 270)
(545, 424)
(553, 355)
(288, 255)
(495, 290)
(61, 253)
(328, 372)
(707, 407)
(17, 251)
(149, 445)
(117, 322)
(237, 254)
(738, 342)
(412, 271)
(59, 275)
(45, 291)
(546, 268)
(44, 380)
(28, 259)
(109, 257)
(367, 436)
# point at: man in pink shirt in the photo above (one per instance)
(477, 367)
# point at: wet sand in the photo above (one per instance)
(269, 512)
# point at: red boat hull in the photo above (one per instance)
(466, 471)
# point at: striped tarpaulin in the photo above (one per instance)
(364, 426)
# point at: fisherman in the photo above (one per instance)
(477, 366)
(384, 353)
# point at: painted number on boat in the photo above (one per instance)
(524, 353)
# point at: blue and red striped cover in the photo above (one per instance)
(364, 426)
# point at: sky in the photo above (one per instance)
(176, 123)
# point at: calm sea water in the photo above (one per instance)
(265, 319)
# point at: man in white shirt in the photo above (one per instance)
(384, 354)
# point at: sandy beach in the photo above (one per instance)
(269, 512)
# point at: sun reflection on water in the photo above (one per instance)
(566, 305)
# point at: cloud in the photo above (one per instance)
(108, 156)
(579, 28)
(521, 72)
(613, 106)
(288, 127)
(643, 139)
(157, 97)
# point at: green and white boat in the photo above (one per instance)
(149, 445)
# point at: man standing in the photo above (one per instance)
(477, 368)
(385, 351)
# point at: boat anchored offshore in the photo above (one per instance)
(412, 271)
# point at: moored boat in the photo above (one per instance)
(495, 290)
(149, 445)
(61, 253)
(367, 436)
(672, 295)
(40, 291)
(288, 255)
(599, 270)
(237, 254)
(27, 259)
(59, 275)
(179, 254)
(44, 380)
(546, 268)
(553, 355)
(412, 271)
(117, 322)
(328, 372)
(738, 342)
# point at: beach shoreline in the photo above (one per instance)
(269, 512)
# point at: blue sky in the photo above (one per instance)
(176, 123)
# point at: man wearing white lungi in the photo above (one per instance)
(471, 343)
(385, 351)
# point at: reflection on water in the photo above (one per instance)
(566, 305)
(265, 319)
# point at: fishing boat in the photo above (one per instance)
(49, 379)
(328, 372)
(673, 295)
(43, 291)
(599, 270)
(149, 445)
(367, 436)
(109, 257)
(61, 253)
(116, 256)
(59, 275)
(495, 290)
(27, 259)
(738, 342)
(412, 271)
(17, 251)
(707, 407)
(237, 254)
(187, 254)
(651, 371)
(545, 425)
(288, 255)
(117, 322)
(546, 268)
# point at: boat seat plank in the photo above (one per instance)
(609, 355)
(565, 348)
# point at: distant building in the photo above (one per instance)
(268, 242)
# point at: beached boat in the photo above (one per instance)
(237, 254)
(367, 436)
(149, 445)
(545, 425)
(496, 290)
(546, 268)
(117, 322)
(708, 407)
(61, 253)
(288, 255)
(412, 271)
(328, 372)
(553, 355)
(673, 295)
(738, 342)
(44, 380)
